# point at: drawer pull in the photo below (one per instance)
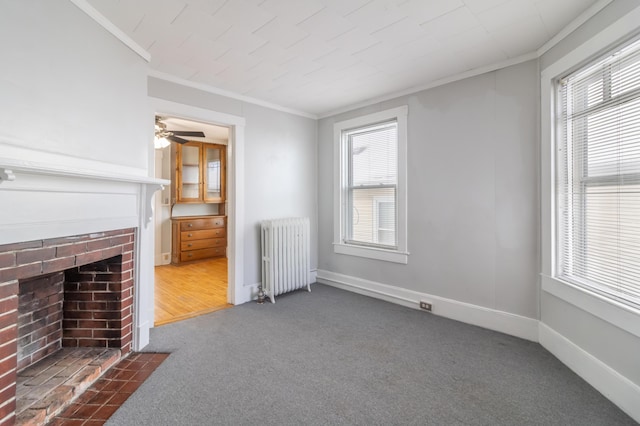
(189, 235)
(190, 225)
(189, 245)
(190, 255)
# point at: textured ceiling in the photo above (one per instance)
(321, 55)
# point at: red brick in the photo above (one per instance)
(75, 314)
(8, 408)
(93, 306)
(126, 321)
(106, 315)
(109, 277)
(99, 296)
(92, 324)
(8, 289)
(24, 257)
(8, 378)
(71, 249)
(127, 284)
(75, 275)
(8, 364)
(58, 264)
(55, 336)
(21, 246)
(127, 248)
(90, 257)
(112, 305)
(55, 317)
(99, 244)
(127, 257)
(27, 271)
(9, 304)
(8, 334)
(92, 343)
(106, 334)
(121, 240)
(69, 343)
(112, 252)
(76, 296)
(115, 232)
(7, 393)
(77, 333)
(8, 348)
(92, 286)
(7, 259)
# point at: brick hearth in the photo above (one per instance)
(89, 276)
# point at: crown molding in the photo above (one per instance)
(111, 28)
(216, 91)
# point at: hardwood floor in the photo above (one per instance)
(189, 290)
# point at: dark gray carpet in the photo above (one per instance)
(334, 357)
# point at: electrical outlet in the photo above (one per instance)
(425, 305)
(165, 257)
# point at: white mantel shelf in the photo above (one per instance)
(10, 167)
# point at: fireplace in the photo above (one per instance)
(73, 291)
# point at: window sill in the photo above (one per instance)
(620, 315)
(372, 253)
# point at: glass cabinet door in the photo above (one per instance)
(214, 173)
(190, 165)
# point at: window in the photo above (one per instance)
(384, 219)
(598, 176)
(370, 194)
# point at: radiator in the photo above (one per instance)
(285, 256)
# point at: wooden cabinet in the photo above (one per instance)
(198, 237)
(199, 173)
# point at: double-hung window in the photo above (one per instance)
(598, 176)
(370, 193)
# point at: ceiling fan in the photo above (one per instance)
(174, 135)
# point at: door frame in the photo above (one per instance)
(235, 184)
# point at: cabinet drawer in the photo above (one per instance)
(202, 234)
(202, 254)
(201, 244)
(202, 223)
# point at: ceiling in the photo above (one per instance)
(318, 56)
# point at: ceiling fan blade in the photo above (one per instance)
(177, 139)
(186, 133)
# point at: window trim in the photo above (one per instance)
(400, 254)
(605, 309)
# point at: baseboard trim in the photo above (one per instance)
(504, 322)
(613, 385)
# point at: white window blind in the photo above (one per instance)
(372, 175)
(598, 176)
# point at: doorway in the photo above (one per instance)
(186, 288)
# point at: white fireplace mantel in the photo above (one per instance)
(49, 195)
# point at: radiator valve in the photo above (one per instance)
(260, 295)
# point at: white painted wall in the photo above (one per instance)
(280, 164)
(76, 126)
(598, 339)
(472, 203)
(71, 88)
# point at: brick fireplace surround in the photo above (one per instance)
(73, 292)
